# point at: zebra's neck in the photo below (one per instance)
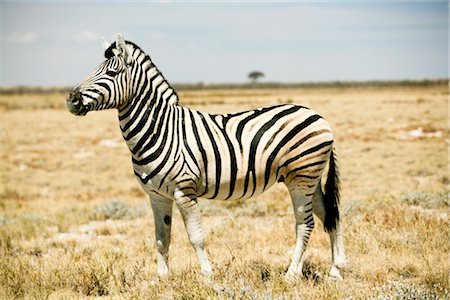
(143, 117)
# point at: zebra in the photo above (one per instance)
(180, 154)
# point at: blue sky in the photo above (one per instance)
(53, 44)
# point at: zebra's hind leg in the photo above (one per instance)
(191, 216)
(304, 224)
(162, 213)
(336, 239)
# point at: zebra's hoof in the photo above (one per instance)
(335, 274)
(293, 278)
(154, 282)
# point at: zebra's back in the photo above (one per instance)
(236, 156)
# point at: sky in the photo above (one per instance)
(58, 43)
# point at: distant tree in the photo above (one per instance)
(255, 75)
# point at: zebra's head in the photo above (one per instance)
(109, 85)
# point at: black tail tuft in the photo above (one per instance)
(331, 197)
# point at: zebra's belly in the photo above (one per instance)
(243, 186)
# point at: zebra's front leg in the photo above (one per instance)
(162, 213)
(190, 213)
(304, 224)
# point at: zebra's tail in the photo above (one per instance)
(332, 194)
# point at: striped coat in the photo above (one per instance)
(180, 154)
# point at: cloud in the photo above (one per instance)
(21, 38)
(84, 36)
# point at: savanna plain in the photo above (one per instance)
(74, 222)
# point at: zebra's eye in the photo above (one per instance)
(111, 73)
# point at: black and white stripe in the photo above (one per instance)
(180, 154)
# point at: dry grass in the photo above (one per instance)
(74, 222)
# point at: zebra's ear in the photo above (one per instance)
(123, 49)
(105, 44)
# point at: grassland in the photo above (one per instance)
(75, 224)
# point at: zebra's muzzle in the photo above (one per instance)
(75, 103)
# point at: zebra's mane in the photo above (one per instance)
(109, 52)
